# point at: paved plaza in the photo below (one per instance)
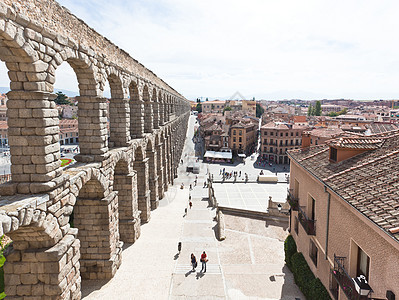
(249, 264)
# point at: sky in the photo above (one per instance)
(266, 49)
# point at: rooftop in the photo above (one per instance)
(368, 181)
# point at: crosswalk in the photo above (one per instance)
(186, 268)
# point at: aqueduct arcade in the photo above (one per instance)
(69, 224)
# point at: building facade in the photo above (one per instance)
(277, 138)
(243, 137)
(344, 213)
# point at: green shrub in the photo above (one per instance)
(302, 274)
(289, 249)
(317, 291)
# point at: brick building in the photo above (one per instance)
(344, 212)
(277, 138)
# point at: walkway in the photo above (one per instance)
(248, 264)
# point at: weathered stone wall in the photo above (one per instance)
(120, 176)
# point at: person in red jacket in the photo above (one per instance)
(203, 260)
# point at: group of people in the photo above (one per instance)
(203, 260)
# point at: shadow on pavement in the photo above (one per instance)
(89, 286)
(176, 256)
(199, 275)
(189, 272)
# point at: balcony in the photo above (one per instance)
(292, 200)
(344, 280)
(307, 224)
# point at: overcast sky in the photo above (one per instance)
(264, 48)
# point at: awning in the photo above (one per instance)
(242, 155)
(216, 154)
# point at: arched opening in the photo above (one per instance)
(66, 89)
(136, 112)
(153, 176)
(5, 169)
(140, 165)
(129, 216)
(96, 218)
(148, 118)
(118, 114)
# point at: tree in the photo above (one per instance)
(318, 108)
(310, 110)
(61, 99)
(227, 108)
(199, 108)
(259, 110)
(333, 114)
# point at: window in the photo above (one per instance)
(272, 133)
(271, 149)
(281, 134)
(265, 133)
(286, 134)
(234, 132)
(264, 149)
(313, 252)
(286, 142)
(234, 139)
(240, 139)
(363, 263)
(264, 141)
(296, 133)
(240, 146)
(271, 141)
(240, 132)
(333, 154)
(292, 134)
(296, 225)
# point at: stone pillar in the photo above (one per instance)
(161, 113)
(153, 179)
(52, 273)
(160, 169)
(155, 111)
(129, 216)
(143, 189)
(119, 116)
(136, 118)
(93, 137)
(148, 124)
(165, 165)
(101, 250)
(169, 168)
(166, 111)
(33, 135)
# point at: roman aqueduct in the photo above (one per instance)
(121, 172)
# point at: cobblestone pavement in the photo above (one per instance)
(249, 264)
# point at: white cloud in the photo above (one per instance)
(259, 47)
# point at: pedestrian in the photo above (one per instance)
(190, 204)
(193, 262)
(190, 187)
(240, 174)
(179, 247)
(203, 260)
(189, 197)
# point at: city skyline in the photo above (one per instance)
(266, 50)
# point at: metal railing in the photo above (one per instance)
(344, 280)
(307, 224)
(292, 200)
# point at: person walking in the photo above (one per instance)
(179, 247)
(191, 204)
(193, 262)
(203, 260)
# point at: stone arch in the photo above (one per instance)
(40, 258)
(124, 182)
(119, 113)
(140, 165)
(96, 217)
(136, 111)
(148, 111)
(152, 173)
